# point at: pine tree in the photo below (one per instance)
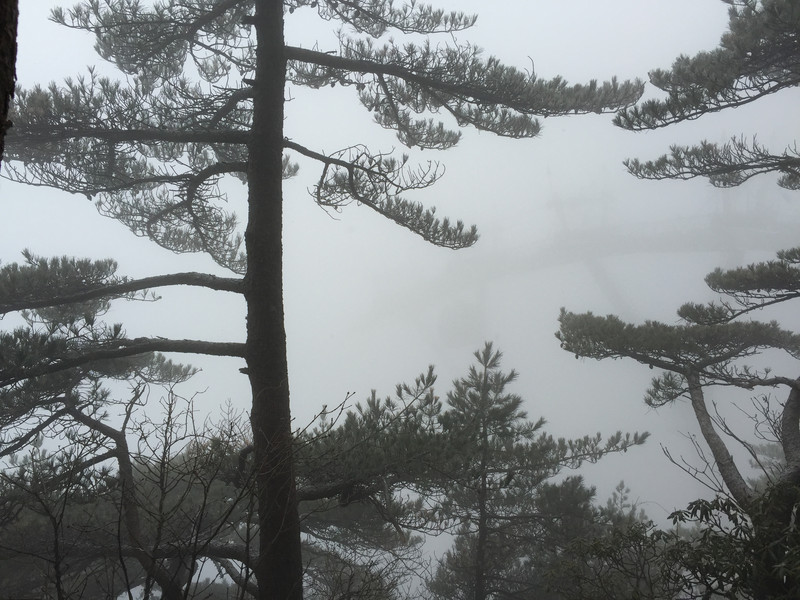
(714, 345)
(758, 55)
(203, 100)
(511, 520)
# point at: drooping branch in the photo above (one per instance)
(390, 113)
(106, 150)
(198, 216)
(525, 94)
(170, 40)
(725, 165)
(366, 486)
(20, 442)
(230, 105)
(191, 184)
(376, 181)
(376, 18)
(110, 183)
(756, 57)
(187, 28)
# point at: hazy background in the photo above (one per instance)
(369, 304)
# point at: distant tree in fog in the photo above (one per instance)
(511, 521)
(622, 555)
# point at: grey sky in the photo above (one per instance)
(561, 222)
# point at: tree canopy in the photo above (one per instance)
(512, 520)
(200, 99)
(717, 344)
(137, 493)
(758, 55)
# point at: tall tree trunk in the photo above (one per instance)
(737, 486)
(483, 519)
(279, 567)
(480, 544)
(775, 517)
(775, 574)
(8, 62)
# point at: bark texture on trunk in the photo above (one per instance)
(775, 540)
(279, 569)
(774, 513)
(483, 539)
(737, 486)
(790, 432)
(483, 497)
(775, 522)
(9, 11)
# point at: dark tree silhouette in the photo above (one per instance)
(758, 55)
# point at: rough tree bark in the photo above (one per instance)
(9, 10)
(738, 487)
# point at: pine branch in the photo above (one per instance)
(230, 105)
(232, 571)
(726, 165)
(119, 349)
(347, 491)
(376, 181)
(709, 350)
(529, 96)
(20, 442)
(757, 56)
(226, 284)
(38, 134)
(376, 17)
